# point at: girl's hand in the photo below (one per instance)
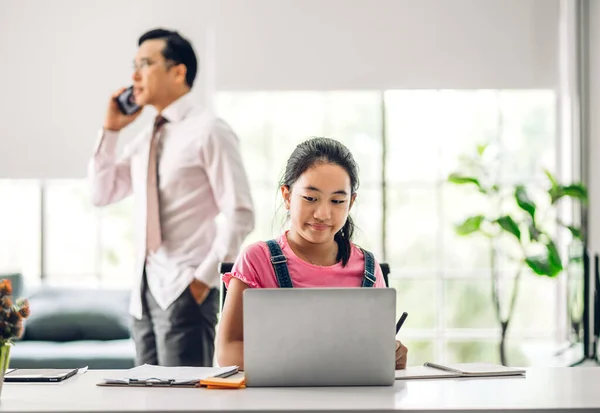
(401, 355)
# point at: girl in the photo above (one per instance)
(318, 188)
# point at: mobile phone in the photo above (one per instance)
(126, 102)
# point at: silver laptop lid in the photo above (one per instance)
(319, 336)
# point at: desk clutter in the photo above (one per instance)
(158, 376)
(230, 377)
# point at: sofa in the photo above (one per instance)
(76, 327)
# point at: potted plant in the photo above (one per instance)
(11, 324)
(527, 228)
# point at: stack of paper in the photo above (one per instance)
(158, 376)
(237, 381)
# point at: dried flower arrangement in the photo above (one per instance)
(11, 314)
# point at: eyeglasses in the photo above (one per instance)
(146, 63)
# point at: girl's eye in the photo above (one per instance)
(338, 201)
(309, 198)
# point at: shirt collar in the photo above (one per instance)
(177, 110)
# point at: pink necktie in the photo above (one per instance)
(153, 236)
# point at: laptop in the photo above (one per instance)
(319, 337)
(38, 375)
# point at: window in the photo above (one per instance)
(20, 239)
(270, 125)
(82, 245)
(442, 280)
(406, 142)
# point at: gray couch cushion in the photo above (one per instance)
(112, 354)
(69, 314)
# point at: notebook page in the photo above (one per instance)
(423, 372)
(484, 369)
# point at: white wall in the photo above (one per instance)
(60, 59)
(338, 44)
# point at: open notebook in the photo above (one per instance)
(439, 371)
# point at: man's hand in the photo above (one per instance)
(401, 355)
(199, 290)
(115, 120)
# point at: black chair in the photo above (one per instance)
(227, 266)
(223, 268)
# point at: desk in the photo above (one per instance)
(550, 389)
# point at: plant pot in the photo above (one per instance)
(4, 361)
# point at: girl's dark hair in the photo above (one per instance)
(325, 150)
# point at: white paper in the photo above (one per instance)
(423, 372)
(177, 375)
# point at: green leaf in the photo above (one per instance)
(524, 202)
(481, 149)
(112, 257)
(509, 225)
(556, 193)
(549, 265)
(551, 178)
(554, 261)
(576, 232)
(576, 260)
(538, 264)
(461, 180)
(534, 233)
(577, 191)
(470, 225)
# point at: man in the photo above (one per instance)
(183, 171)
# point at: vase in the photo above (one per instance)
(4, 360)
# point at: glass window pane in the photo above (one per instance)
(269, 214)
(413, 228)
(20, 236)
(367, 216)
(428, 129)
(411, 136)
(468, 303)
(519, 353)
(416, 296)
(71, 239)
(536, 308)
(354, 118)
(287, 118)
(528, 126)
(426, 133)
(468, 118)
(463, 253)
(419, 351)
(117, 254)
(246, 112)
(292, 117)
(472, 351)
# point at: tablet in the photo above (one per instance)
(38, 375)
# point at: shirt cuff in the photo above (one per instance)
(107, 141)
(208, 271)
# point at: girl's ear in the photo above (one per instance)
(352, 199)
(285, 193)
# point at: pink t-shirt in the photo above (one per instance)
(253, 268)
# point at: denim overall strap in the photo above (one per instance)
(279, 263)
(369, 276)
